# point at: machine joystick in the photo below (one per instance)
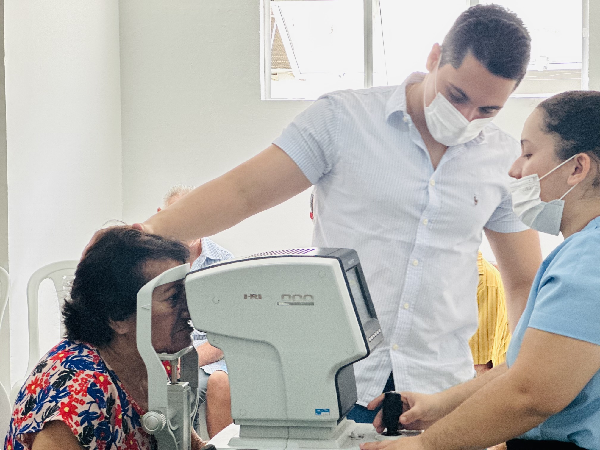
(392, 408)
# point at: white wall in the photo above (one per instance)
(192, 110)
(594, 50)
(4, 324)
(63, 135)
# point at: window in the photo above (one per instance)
(317, 46)
(408, 30)
(556, 44)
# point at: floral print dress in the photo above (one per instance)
(71, 383)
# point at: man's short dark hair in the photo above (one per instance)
(108, 278)
(495, 36)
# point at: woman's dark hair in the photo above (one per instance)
(495, 36)
(108, 278)
(574, 118)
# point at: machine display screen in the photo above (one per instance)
(357, 294)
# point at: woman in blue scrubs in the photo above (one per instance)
(547, 396)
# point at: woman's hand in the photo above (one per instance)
(419, 411)
(402, 443)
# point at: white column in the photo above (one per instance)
(64, 139)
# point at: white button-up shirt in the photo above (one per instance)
(416, 230)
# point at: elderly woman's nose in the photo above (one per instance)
(185, 311)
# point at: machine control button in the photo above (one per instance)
(374, 335)
(153, 421)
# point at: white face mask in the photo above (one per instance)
(446, 124)
(533, 212)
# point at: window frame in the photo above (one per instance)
(371, 12)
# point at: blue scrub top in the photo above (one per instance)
(565, 300)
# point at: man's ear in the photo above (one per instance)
(434, 55)
(123, 326)
(159, 209)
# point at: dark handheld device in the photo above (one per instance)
(391, 408)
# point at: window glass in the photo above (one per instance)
(407, 31)
(556, 44)
(316, 47)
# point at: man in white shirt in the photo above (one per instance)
(409, 176)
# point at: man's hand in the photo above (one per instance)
(420, 411)
(402, 443)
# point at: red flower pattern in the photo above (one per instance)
(36, 384)
(102, 381)
(118, 416)
(75, 386)
(69, 410)
(60, 356)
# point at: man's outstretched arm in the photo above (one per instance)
(264, 181)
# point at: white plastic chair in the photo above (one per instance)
(61, 273)
(5, 403)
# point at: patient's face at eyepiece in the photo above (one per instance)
(171, 327)
(116, 264)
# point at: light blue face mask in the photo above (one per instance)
(533, 212)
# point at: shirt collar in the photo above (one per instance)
(397, 101)
(594, 223)
(209, 251)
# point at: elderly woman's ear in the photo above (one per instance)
(123, 326)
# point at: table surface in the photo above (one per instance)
(361, 432)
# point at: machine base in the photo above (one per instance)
(351, 436)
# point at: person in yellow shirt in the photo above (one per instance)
(490, 341)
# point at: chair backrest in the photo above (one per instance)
(61, 274)
(5, 404)
(4, 286)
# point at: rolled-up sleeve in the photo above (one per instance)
(310, 140)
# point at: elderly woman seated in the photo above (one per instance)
(91, 389)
